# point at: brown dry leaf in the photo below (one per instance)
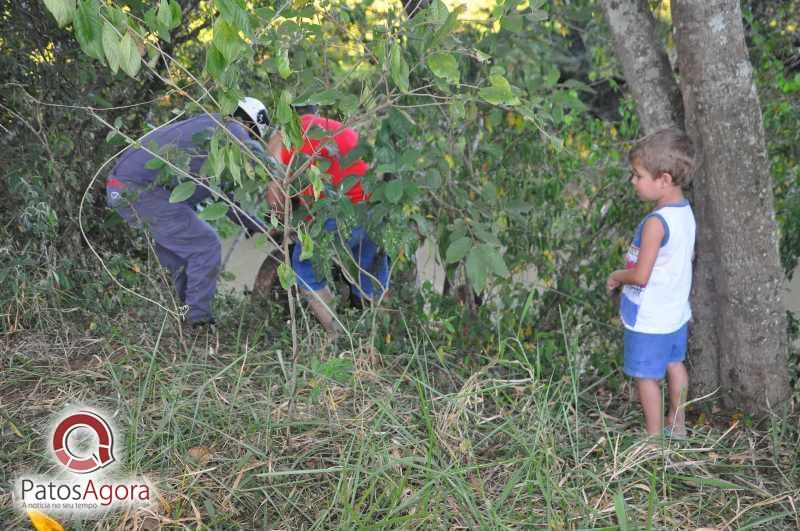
(42, 522)
(150, 523)
(200, 455)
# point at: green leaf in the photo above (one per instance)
(476, 269)
(182, 192)
(709, 482)
(445, 66)
(175, 14)
(217, 162)
(88, 30)
(499, 92)
(537, 15)
(282, 62)
(233, 164)
(164, 16)
(449, 26)
(399, 68)
(155, 164)
(493, 260)
(214, 211)
(315, 176)
(619, 508)
(394, 191)
(457, 250)
(235, 13)
(215, 62)
(284, 111)
(62, 10)
(111, 46)
(512, 23)
(307, 246)
(294, 132)
(227, 41)
(481, 56)
(130, 60)
(326, 97)
(286, 276)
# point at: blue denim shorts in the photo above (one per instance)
(647, 355)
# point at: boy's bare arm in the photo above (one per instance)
(639, 275)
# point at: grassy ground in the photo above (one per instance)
(379, 433)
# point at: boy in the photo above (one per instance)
(654, 305)
(374, 264)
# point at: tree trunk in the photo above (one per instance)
(737, 240)
(658, 103)
(646, 66)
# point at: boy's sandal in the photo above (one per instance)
(675, 435)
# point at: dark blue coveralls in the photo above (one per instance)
(186, 245)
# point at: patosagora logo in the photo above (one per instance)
(82, 446)
(103, 454)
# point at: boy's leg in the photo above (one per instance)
(650, 398)
(678, 382)
(320, 303)
(645, 358)
(678, 385)
(315, 290)
(373, 265)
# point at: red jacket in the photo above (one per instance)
(346, 139)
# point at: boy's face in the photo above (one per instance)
(647, 187)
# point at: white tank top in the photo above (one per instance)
(662, 306)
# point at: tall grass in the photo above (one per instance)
(408, 438)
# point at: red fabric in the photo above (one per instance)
(346, 139)
(112, 182)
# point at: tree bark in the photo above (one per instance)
(737, 236)
(658, 103)
(645, 63)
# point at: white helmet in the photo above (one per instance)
(254, 111)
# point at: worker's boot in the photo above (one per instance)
(321, 305)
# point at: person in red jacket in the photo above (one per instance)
(373, 264)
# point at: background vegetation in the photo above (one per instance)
(507, 125)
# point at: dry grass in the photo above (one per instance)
(407, 440)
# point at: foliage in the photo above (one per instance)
(506, 131)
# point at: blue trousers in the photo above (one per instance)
(371, 263)
(186, 245)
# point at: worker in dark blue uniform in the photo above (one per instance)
(186, 245)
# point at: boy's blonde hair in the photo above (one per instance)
(666, 151)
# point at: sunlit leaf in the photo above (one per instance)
(286, 276)
(215, 211)
(235, 12)
(444, 65)
(227, 41)
(398, 68)
(282, 62)
(130, 60)
(499, 92)
(215, 62)
(111, 46)
(306, 245)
